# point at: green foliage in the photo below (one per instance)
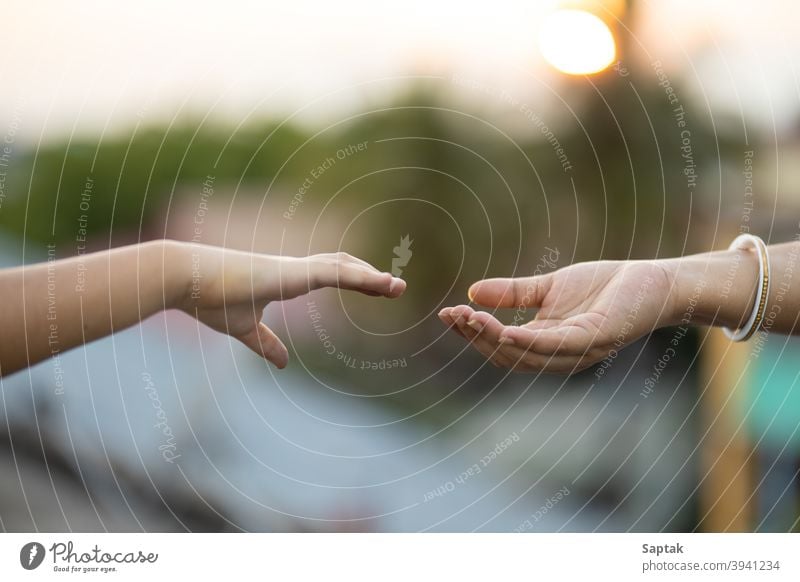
(475, 201)
(133, 176)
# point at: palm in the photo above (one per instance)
(236, 320)
(597, 302)
(583, 311)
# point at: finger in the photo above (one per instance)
(490, 337)
(447, 318)
(459, 314)
(266, 344)
(519, 359)
(345, 257)
(470, 328)
(504, 292)
(525, 360)
(556, 340)
(486, 325)
(488, 330)
(491, 331)
(354, 277)
(528, 361)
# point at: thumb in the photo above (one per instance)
(510, 292)
(266, 344)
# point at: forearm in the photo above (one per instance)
(719, 288)
(54, 306)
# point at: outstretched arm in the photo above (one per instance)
(51, 307)
(574, 317)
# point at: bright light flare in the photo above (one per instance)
(576, 42)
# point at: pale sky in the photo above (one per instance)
(96, 64)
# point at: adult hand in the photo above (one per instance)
(584, 311)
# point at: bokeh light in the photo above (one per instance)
(576, 42)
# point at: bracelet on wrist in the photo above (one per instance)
(753, 243)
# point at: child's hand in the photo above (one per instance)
(228, 290)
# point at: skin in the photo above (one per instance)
(51, 307)
(577, 315)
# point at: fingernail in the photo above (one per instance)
(474, 324)
(507, 340)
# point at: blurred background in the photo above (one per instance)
(451, 141)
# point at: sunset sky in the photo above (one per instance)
(90, 65)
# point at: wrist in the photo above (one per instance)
(174, 257)
(716, 288)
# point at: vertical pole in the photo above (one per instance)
(727, 464)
